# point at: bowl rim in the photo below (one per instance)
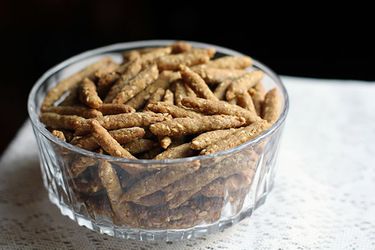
(34, 114)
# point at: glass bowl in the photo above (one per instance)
(205, 194)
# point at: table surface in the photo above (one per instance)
(323, 196)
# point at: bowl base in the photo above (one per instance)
(154, 235)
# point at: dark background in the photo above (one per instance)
(309, 40)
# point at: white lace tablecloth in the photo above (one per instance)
(324, 195)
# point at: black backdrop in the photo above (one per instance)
(308, 39)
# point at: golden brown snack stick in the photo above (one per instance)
(271, 106)
(149, 57)
(127, 66)
(88, 94)
(214, 188)
(57, 121)
(168, 97)
(203, 140)
(80, 164)
(243, 83)
(137, 84)
(165, 142)
(221, 89)
(196, 181)
(126, 120)
(219, 107)
(196, 83)
(189, 91)
(231, 184)
(138, 119)
(114, 109)
(210, 52)
(182, 197)
(59, 134)
(257, 94)
(164, 80)
(189, 58)
(140, 145)
(150, 200)
(111, 183)
(110, 67)
(180, 47)
(130, 65)
(214, 75)
(173, 110)
(179, 93)
(132, 69)
(157, 181)
(56, 92)
(122, 136)
(145, 50)
(245, 101)
(155, 97)
(131, 55)
(74, 110)
(231, 62)
(207, 210)
(106, 141)
(196, 211)
(185, 126)
(180, 151)
(237, 138)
